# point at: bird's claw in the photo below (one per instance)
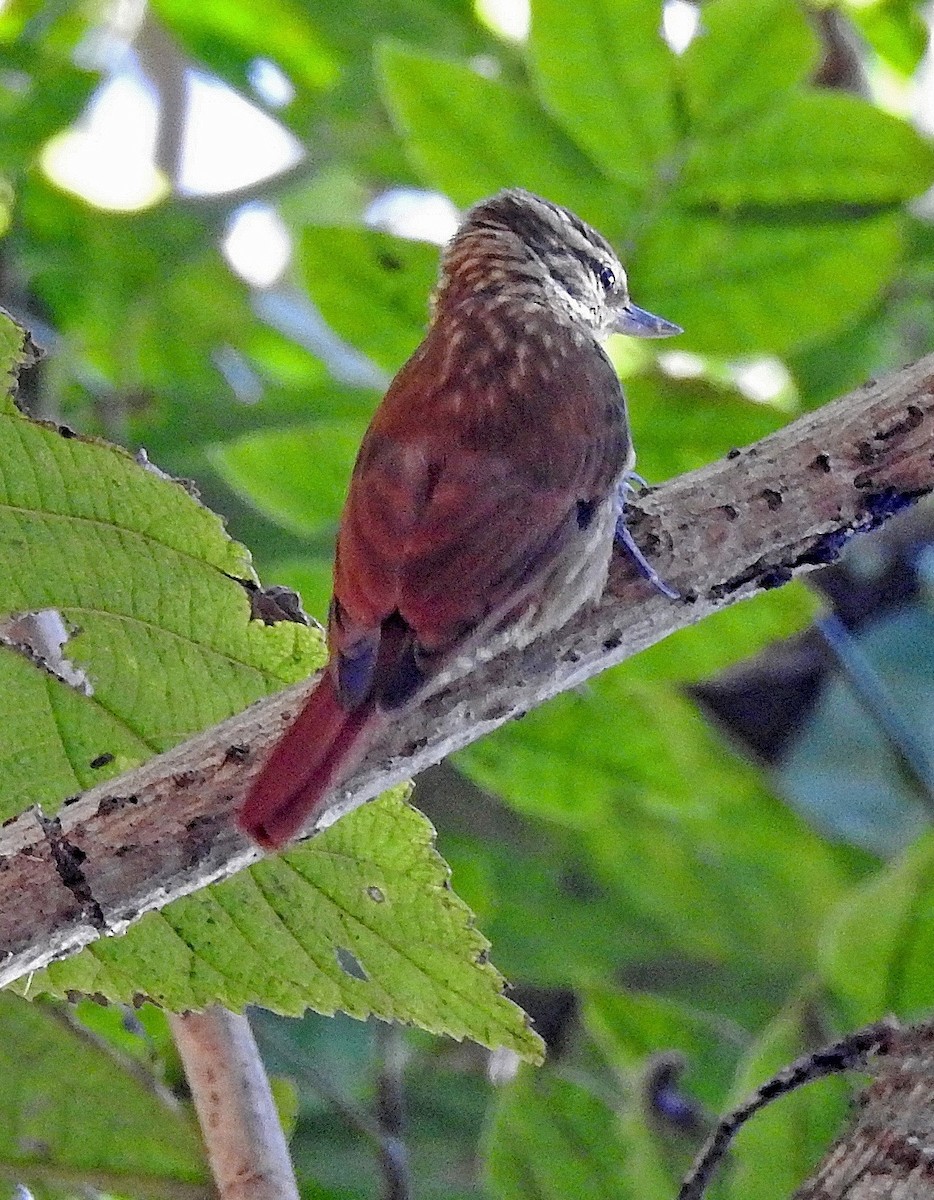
(624, 538)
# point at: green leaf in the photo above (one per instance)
(748, 285)
(840, 771)
(372, 289)
(46, 90)
(681, 424)
(632, 1026)
(166, 641)
(745, 52)
(150, 584)
(230, 34)
(605, 73)
(878, 946)
(895, 29)
(142, 300)
(552, 1139)
(547, 910)
(880, 160)
(361, 919)
(297, 477)
(782, 1144)
(471, 136)
(53, 733)
(679, 833)
(73, 1117)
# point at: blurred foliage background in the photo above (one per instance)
(218, 222)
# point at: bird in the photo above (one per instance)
(484, 501)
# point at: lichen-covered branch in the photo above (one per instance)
(751, 521)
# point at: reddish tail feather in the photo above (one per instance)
(324, 743)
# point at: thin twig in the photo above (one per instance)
(241, 1128)
(848, 1054)
(390, 1113)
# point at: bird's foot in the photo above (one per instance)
(624, 538)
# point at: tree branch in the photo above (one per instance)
(888, 1150)
(748, 522)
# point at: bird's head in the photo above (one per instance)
(518, 247)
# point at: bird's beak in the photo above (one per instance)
(636, 322)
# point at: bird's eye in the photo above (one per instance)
(607, 278)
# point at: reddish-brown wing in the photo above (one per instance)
(468, 484)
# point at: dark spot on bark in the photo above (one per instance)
(199, 822)
(774, 578)
(71, 800)
(613, 642)
(114, 803)
(887, 503)
(734, 453)
(822, 463)
(729, 512)
(913, 418)
(772, 498)
(102, 760)
(866, 454)
(863, 480)
(184, 779)
(827, 548)
(68, 859)
(237, 753)
(756, 572)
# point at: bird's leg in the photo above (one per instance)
(630, 479)
(624, 538)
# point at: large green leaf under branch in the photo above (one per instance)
(154, 596)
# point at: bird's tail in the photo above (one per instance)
(320, 748)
